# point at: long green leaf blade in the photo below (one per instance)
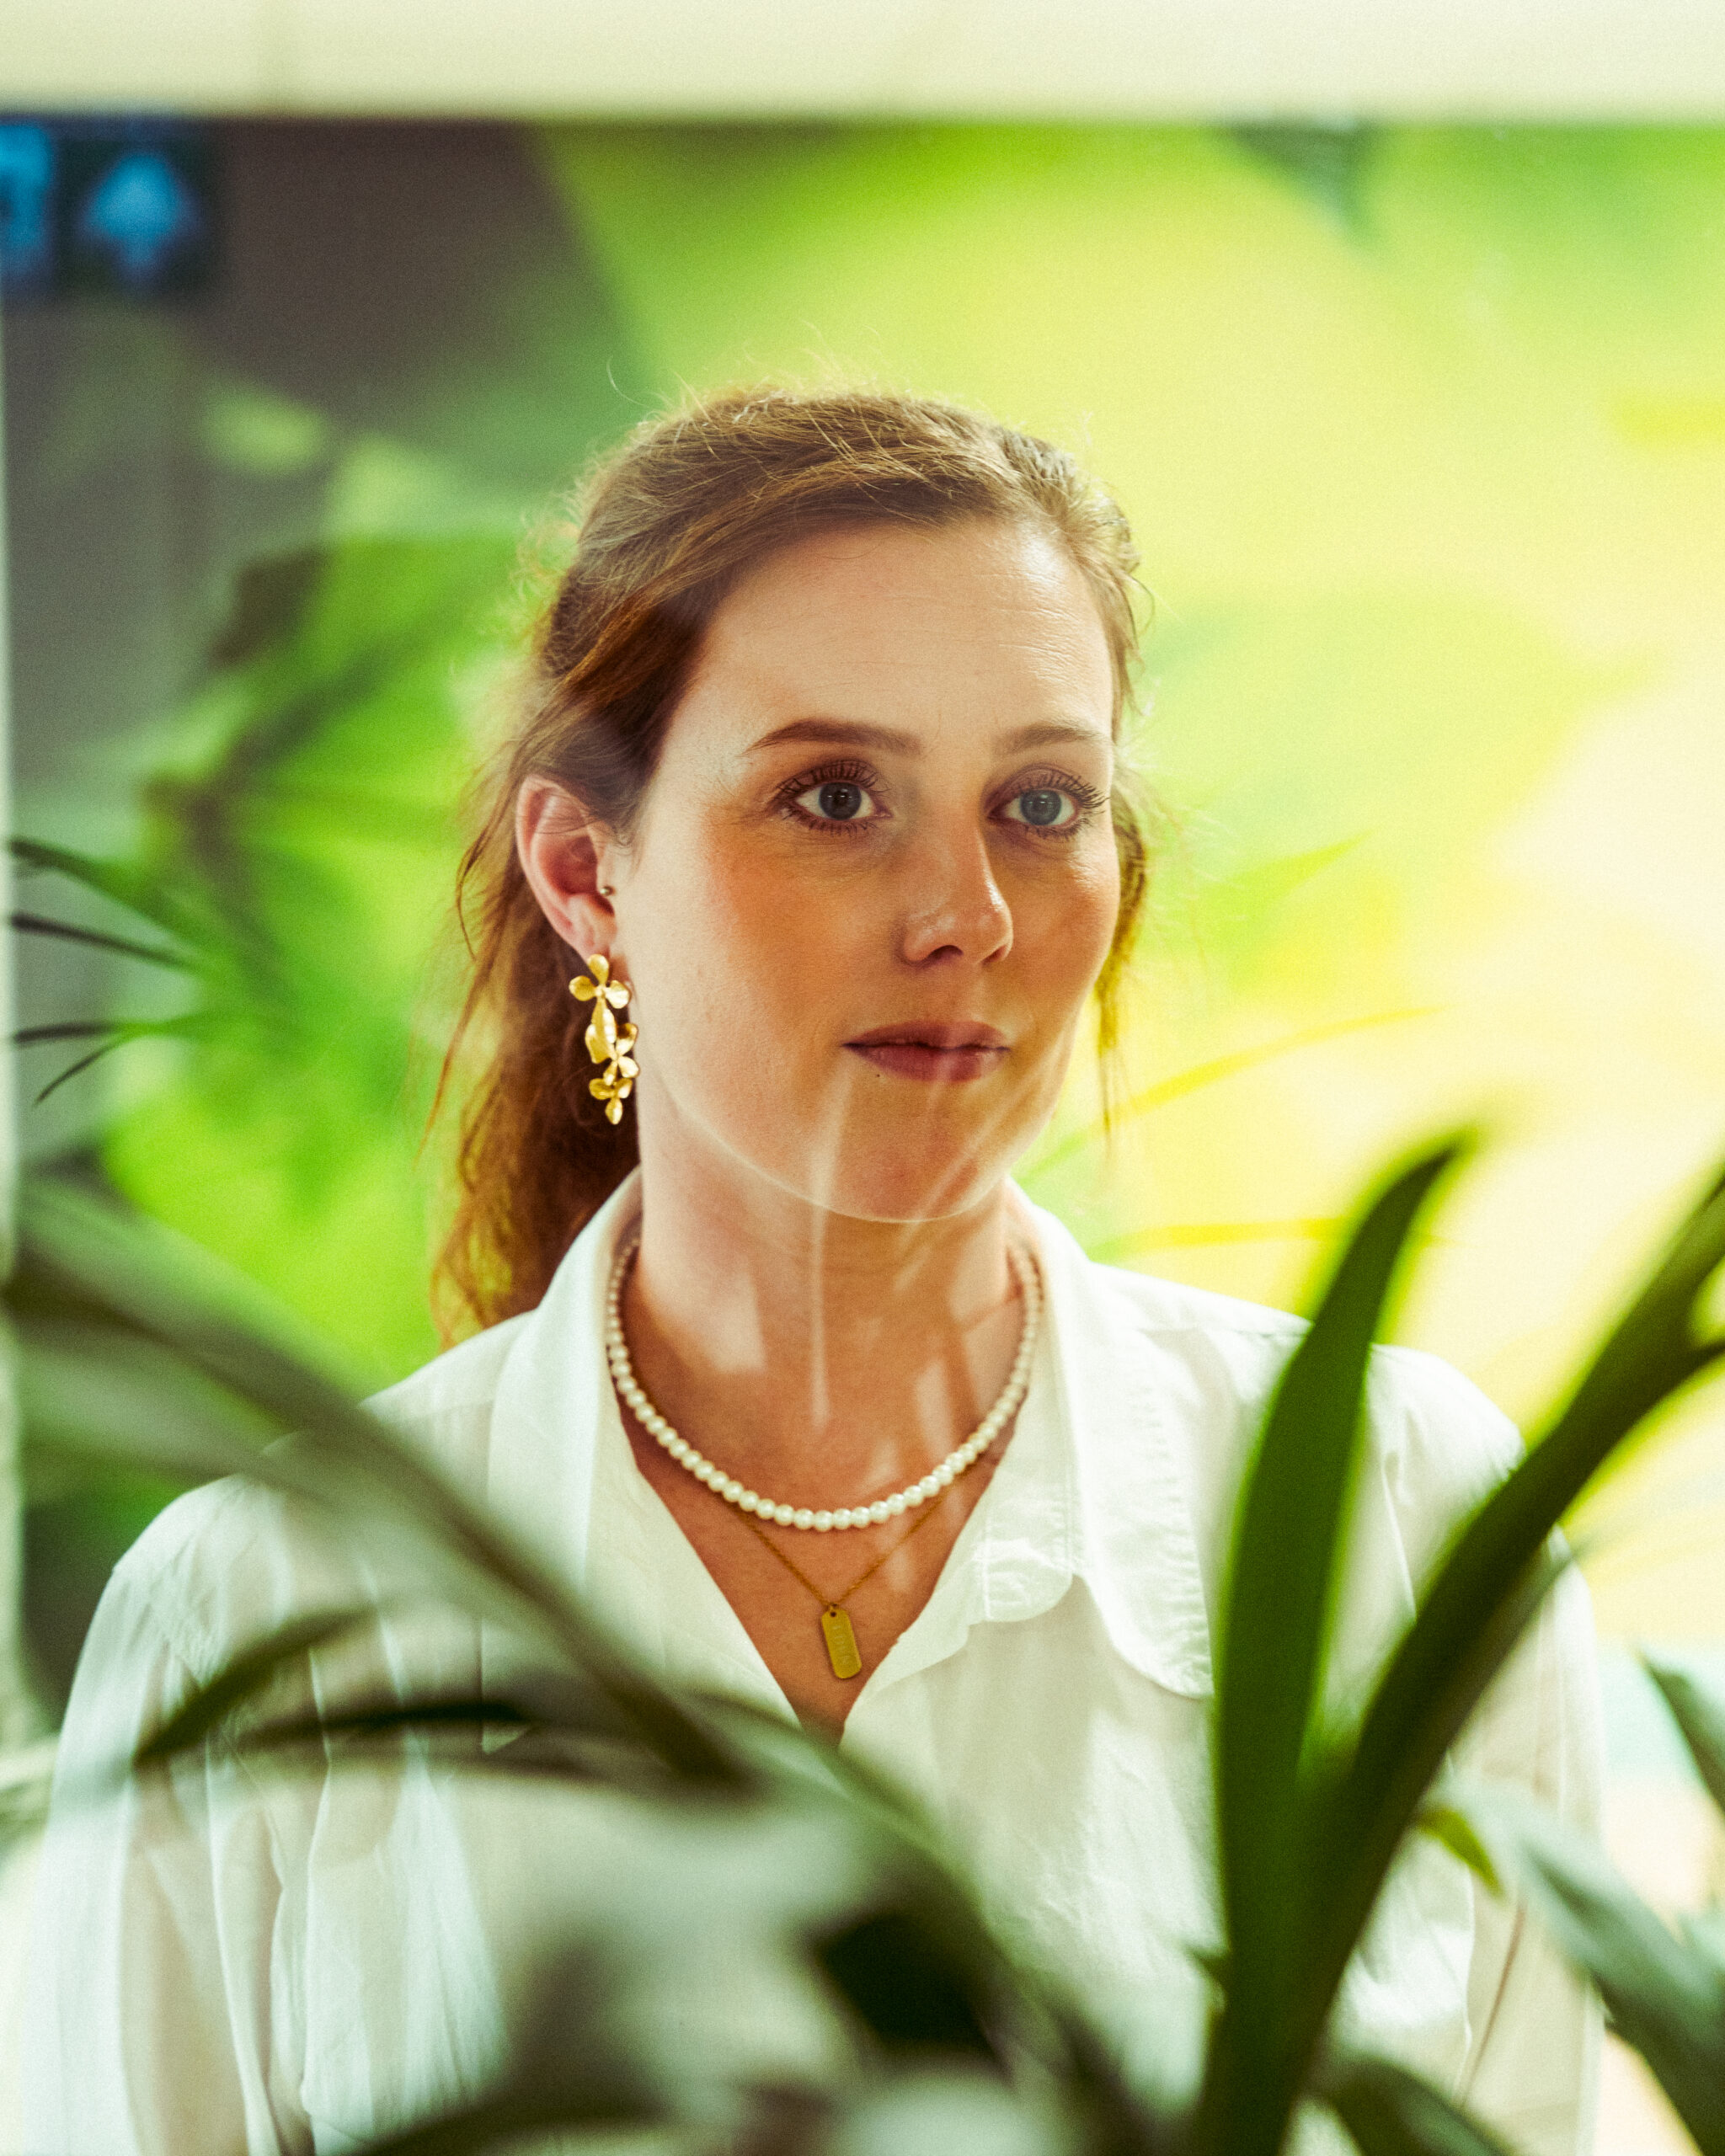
(1700, 1714)
(127, 947)
(573, 2071)
(511, 2120)
(84, 1259)
(243, 1678)
(1666, 1997)
(1392, 2112)
(1277, 1615)
(116, 880)
(1501, 1564)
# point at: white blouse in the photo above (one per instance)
(299, 1962)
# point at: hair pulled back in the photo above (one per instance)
(668, 524)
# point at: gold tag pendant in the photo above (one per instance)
(841, 1641)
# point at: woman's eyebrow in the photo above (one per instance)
(857, 733)
(840, 733)
(1047, 732)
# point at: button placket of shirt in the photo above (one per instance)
(1011, 1561)
(1114, 1438)
(1152, 1595)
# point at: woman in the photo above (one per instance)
(817, 788)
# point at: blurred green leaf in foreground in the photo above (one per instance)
(133, 1353)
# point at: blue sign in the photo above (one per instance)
(126, 207)
(26, 205)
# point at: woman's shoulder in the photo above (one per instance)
(1435, 1442)
(446, 1403)
(1171, 1309)
(233, 1558)
(1207, 1354)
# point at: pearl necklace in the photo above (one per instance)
(746, 1500)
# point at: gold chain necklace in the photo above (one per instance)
(835, 1627)
(836, 1630)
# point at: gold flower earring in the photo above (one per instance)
(608, 1042)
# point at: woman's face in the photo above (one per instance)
(874, 878)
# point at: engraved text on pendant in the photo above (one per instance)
(840, 1642)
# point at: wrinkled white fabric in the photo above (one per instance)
(285, 1963)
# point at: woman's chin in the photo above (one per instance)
(867, 1165)
(906, 1191)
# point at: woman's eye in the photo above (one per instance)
(1044, 807)
(837, 801)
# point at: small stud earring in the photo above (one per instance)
(608, 1042)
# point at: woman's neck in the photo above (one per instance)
(825, 1360)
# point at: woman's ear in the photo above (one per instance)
(565, 855)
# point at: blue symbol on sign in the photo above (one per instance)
(140, 212)
(26, 195)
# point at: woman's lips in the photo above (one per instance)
(941, 1053)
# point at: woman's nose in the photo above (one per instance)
(955, 907)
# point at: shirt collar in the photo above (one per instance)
(1090, 1488)
(1133, 1542)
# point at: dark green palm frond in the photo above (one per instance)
(246, 1675)
(1316, 1838)
(109, 1034)
(1392, 2112)
(189, 941)
(272, 768)
(69, 931)
(1699, 1713)
(591, 2111)
(127, 1354)
(548, 1727)
(900, 1977)
(131, 1352)
(1276, 1626)
(1665, 1991)
(573, 2072)
(1497, 1570)
(124, 883)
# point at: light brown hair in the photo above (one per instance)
(666, 526)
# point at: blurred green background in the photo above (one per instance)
(1423, 434)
